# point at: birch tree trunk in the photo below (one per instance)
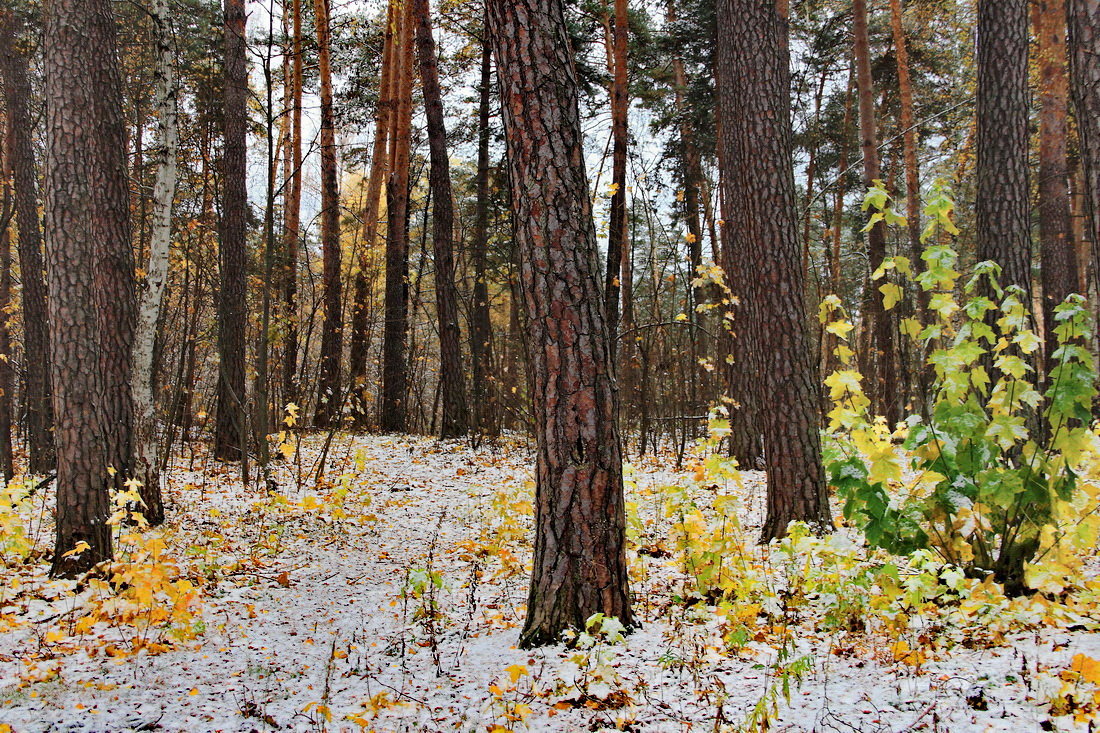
(146, 463)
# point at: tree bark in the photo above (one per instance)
(1084, 54)
(36, 331)
(909, 148)
(746, 426)
(146, 463)
(380, 165)
(580, 561)
(395, 373)
(91, 277)
(880, 364)
(1002, 139)
(483, 388)
(1057, 248)
(620, 104)
(230, 440)
(292, 212)
(332, 331)
(7, 374)
(455, 419)
(758, 182)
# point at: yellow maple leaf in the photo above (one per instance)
(515, 671)
(1087, 668)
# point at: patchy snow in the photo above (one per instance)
(390, 597)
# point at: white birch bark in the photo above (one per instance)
(164, 191)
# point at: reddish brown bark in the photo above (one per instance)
(395, 376)
(1084, 54)
(1057, 248)
(380, 164)
(880, 362)
(616, 233)
(332, 329)
(758, 184)
(91, 276)
(909, 146)
(7, 374)
(580, 562)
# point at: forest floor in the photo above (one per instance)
(390, 595)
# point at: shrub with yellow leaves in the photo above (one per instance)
(988, 475)
(141, 595)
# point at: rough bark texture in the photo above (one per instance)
(579, 562)
(229, 434)
(616, 232)
(91, 278)
(292, 212)
(452, 382)
(909, 145)
(146, 463)
(1056, 242)
(880, 364)
(483, 389)
(746, 427)
(758, 183)
(380, 164)
(332, 330)
(7, 374)
(1084, 46)
(1002, 139)
(395, 373)
(36, 332)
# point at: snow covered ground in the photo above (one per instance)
(390, 598)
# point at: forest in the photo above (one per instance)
(549, 365)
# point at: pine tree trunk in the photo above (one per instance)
(36, 333)
(1057, 248)
(380, 165)
(580, 561)
(91, 277)
(395, 371)
(332, 330)
(616, 233)
(292, 212)
(146, 463)
(909, 141)
(7, 373)
(455, 419)
(829, 361)
(229, 436)
(880, 364)
(691, 170)
(1002, 138)
(758, 186)
(746, 426)
(1084, 54)
(483, 389)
